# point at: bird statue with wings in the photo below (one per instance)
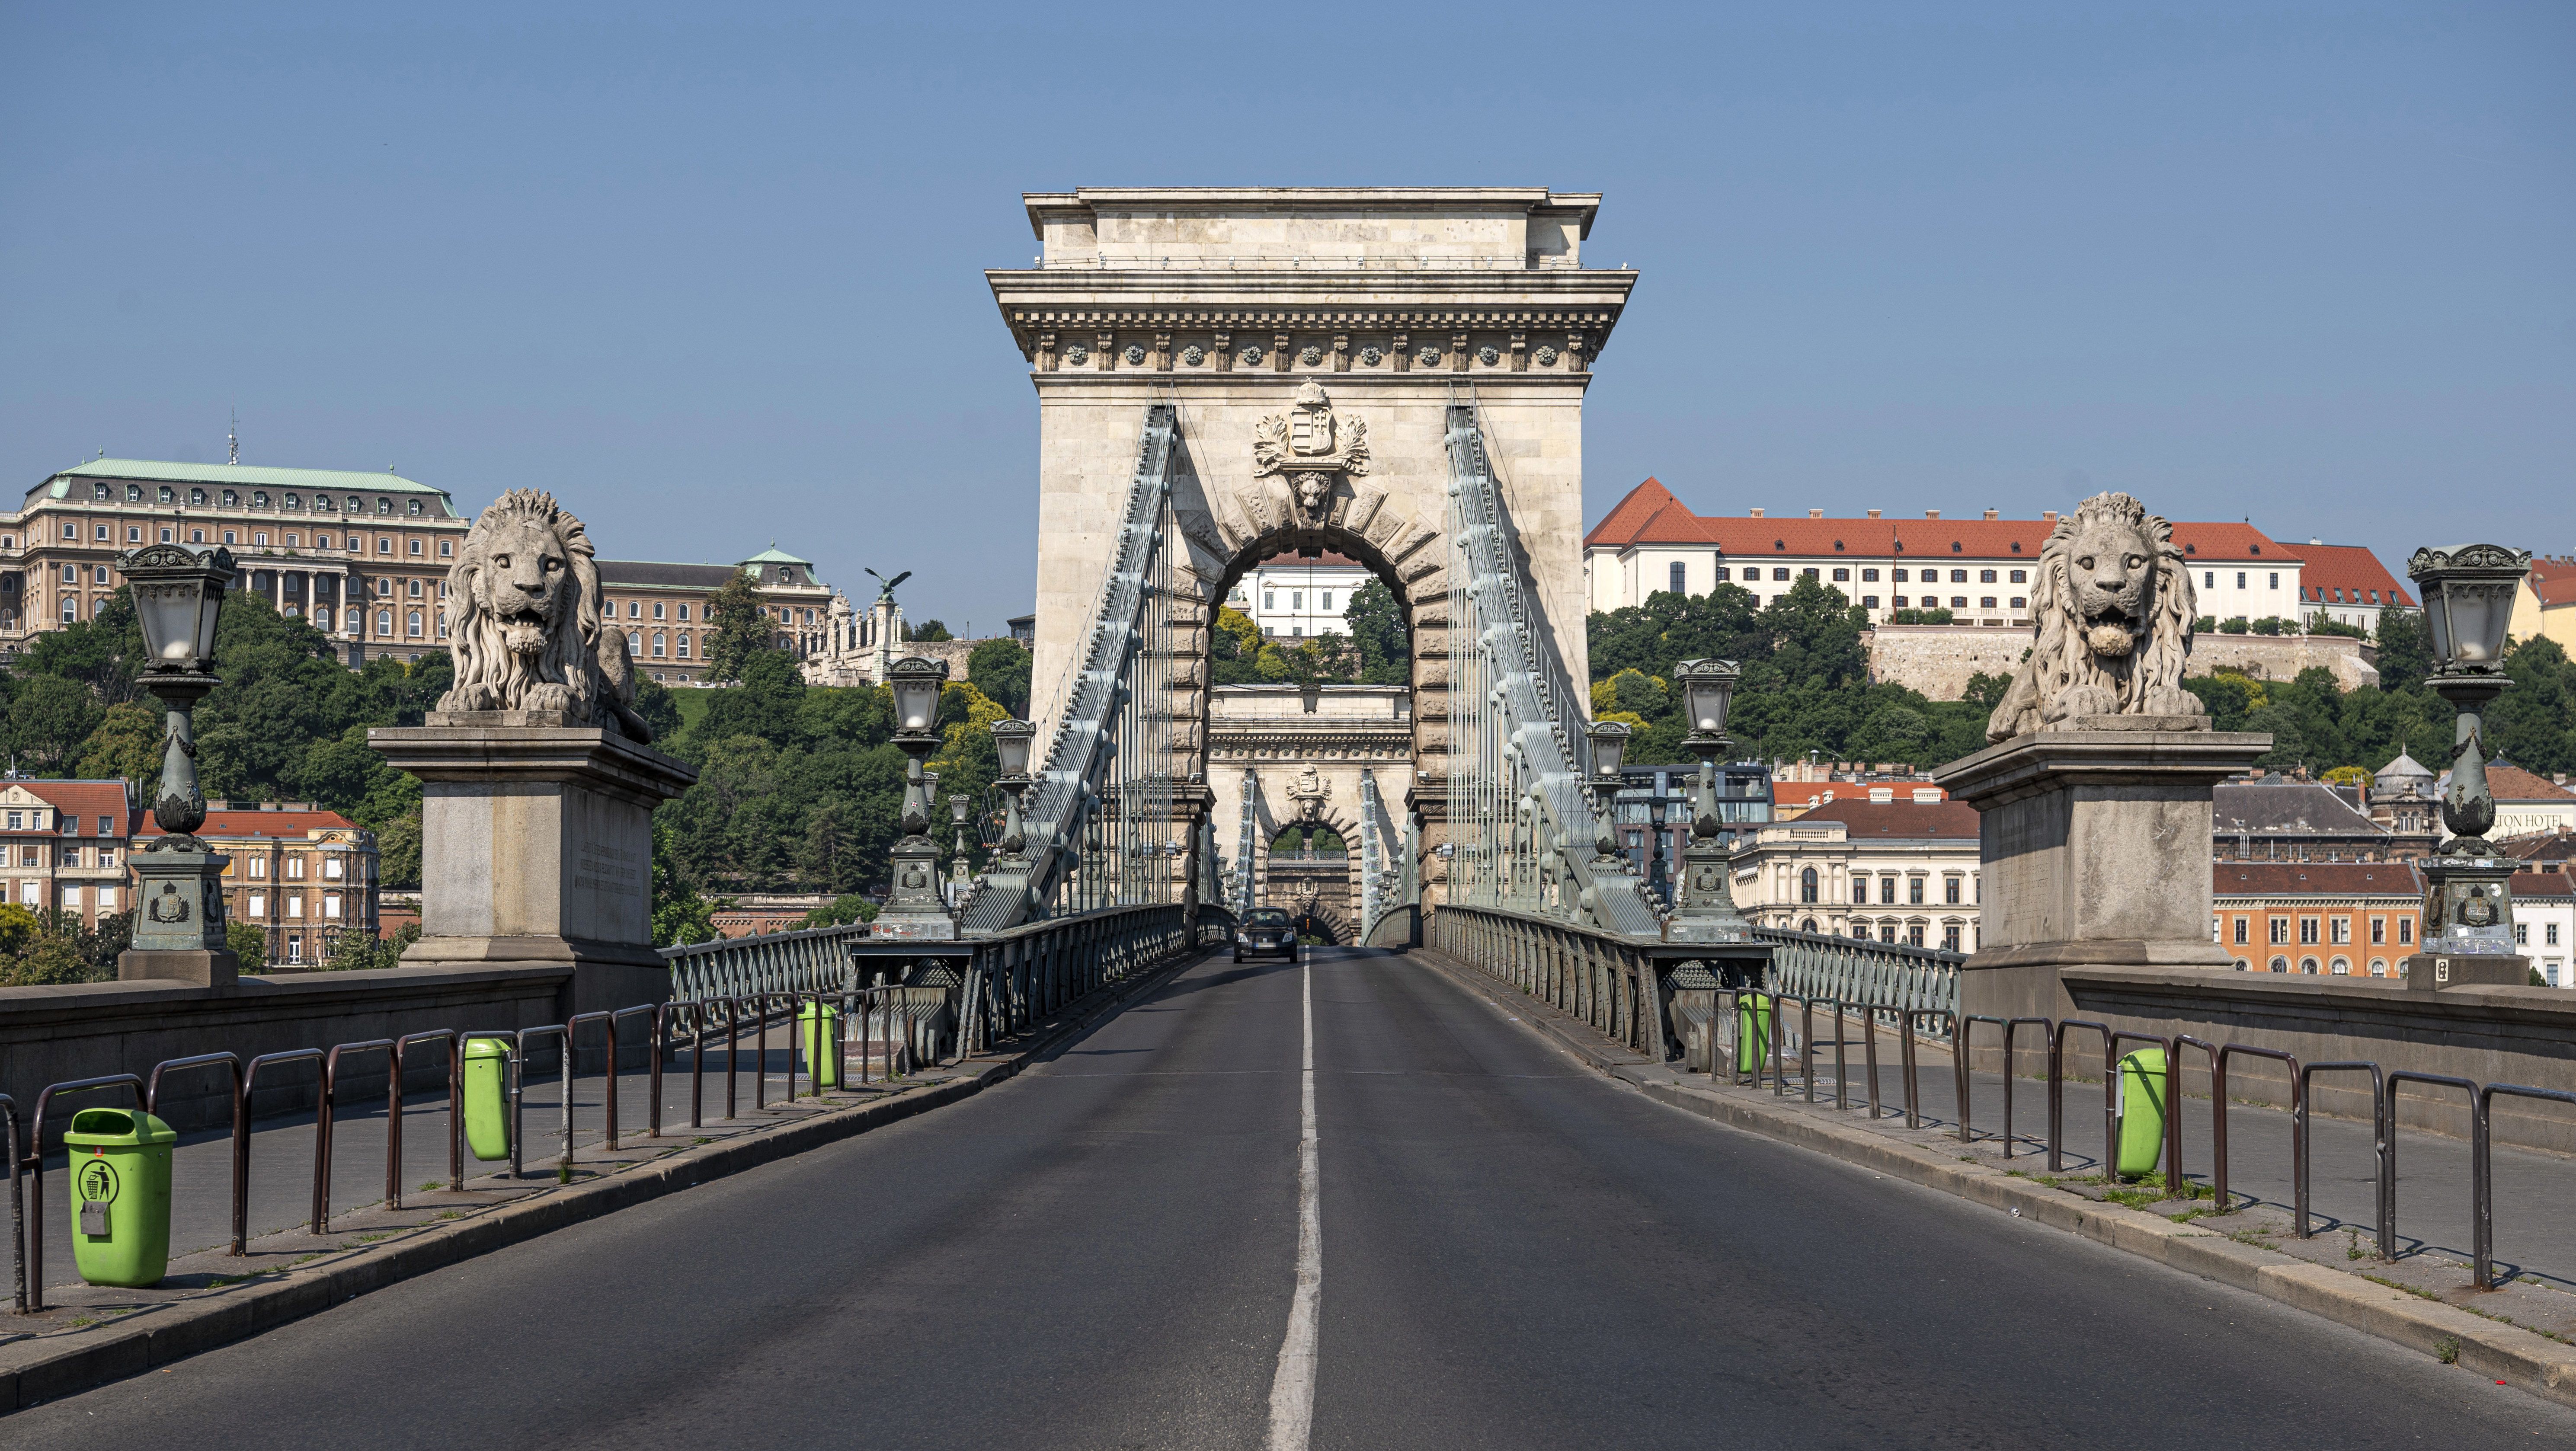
(887, 593)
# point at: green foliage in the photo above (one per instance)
(359, 952)
(844, 911)
(2232, 625)
(1806, 679)
(1000, 669)
(1919, 617)
(2271, 625)
(742, 626)
(51, 958)
(398, 851)
(128, 745)
(2321, 623)
(248, 943)
(50, 719)
(928, 632)
(680, 915)
(18, 927)
(655, 707)
(1376, 623)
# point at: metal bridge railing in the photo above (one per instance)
(814, 959)
(1885, 976)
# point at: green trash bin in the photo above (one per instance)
(1752, 1031)
(120, 1196)
(814, 1023)
(2142, 1111)
(487, 1098)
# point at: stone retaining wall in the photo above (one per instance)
(89, 1030)
(1938, 659)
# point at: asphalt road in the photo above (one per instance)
(1102, 1253)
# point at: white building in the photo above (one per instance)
(2544, 923)
(1291, 597)
(1882, 869)
(1978, 569)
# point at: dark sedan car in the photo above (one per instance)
(1265, 931)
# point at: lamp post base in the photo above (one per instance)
(195, 968)
(913, 910)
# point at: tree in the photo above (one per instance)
(844, 911)
(654, 706)
(50, 717)
(742, 625)
(247, 943)
(1234, 647)
(768, 704)
(1376, 623)
(1000, 669)
(127, 745)
(927, 632)
(398, 851)
(680, 915)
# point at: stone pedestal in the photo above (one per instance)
(179, 916)
(537, 848)
(2095, 851)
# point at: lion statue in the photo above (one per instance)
(528, 632)
(2114, 607)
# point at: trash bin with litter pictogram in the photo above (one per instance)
(120, 1196)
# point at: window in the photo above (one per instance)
(1914, 892)
(1779, 574)
(72, 532)
(196, 536)
(331, 905)
(2340, 968)
(295, 869)
(1958, 602)
(1808, 573)
(1896, 575)
(1869, 576)
(2021, 576)
(384, 546)
(2240, 579)
(2209, 579)
(1986, 602)
(1914, 934)
(657, 644)
(1296, 599)
(413, 624)
(1807, 885)
(2308, 965)
(1724, 574)
(107, 827)
(384, 622)
(2307, 931)
(232, 536)
(415, 508)
(259, 866)
(1680, 578)
(1887, 891)
(107, 895)
(322, 617)
(384, 506)
(1950, 890)
(1841, 575)
(1949, 937)
(2280, 964)
(2339, 931)
(1269, 600)
(1860, 891)
(684, 614)
(2280, 930)
(2550, 937)
(1869, 602)
(1328, 604)
(71, 610)
(634, 609)
(2018, 602)
(357, 505)
(163, 495)
(259, 904)
(634, 642)
(446, 548)
(415, 548)
(1958, 576)
(2276, 582)
(1807, 926)
(2378, 930)
(414, 589)
(684, 643)
(295, 904)
(331, 866)
(1985, 576)
(657, 609)
(98, 573)
(2242, 924)
(1887, 933)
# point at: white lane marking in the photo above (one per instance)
(1292, 1388)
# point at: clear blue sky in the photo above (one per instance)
(712, 273)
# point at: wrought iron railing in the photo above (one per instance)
(1879, 975)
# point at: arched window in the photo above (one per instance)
(2308, 965)
(2241, 964)
(101, 492)
(413, 623)
(634, 642)
(322, 617)
(658, 643)
(2340, 968)
(2379, 967)
(197, 498)
(1807, 926)
(384, 622)
(1807, 886)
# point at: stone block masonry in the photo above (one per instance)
(1938, 660)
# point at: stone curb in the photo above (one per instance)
(2509, 1353)
(164, 1334)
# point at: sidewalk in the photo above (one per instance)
(2523, 1331)
(282, 1151)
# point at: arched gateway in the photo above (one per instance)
(1286, 366)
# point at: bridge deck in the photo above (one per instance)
(1514, 1252)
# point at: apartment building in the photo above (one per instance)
(1887, 870)
(299, 874)
(65, 845)
(1978, 569)
(2544, 604)
(2544, 923)
(2335, 919)
(363, 556)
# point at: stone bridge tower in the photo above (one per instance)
(1310, 341)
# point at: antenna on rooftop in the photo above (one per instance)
(232, 440)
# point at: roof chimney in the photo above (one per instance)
(1757, 513)
(1815, 513)
(1873, 513)
(1994, 513)
(1931, 513)
(2048, 516)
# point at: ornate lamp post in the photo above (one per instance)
(2468, 594)
(913, 908)
(1609, 753)
(1705, 908)
(1011, 742)
(179, 921)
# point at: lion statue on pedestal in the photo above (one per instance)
(2115, 609)
(528, 632)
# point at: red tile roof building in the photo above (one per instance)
(65, 844)
(2328, 919)
(300, 874)
(2348, 585)
(2545, 605)
(1979, 569)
